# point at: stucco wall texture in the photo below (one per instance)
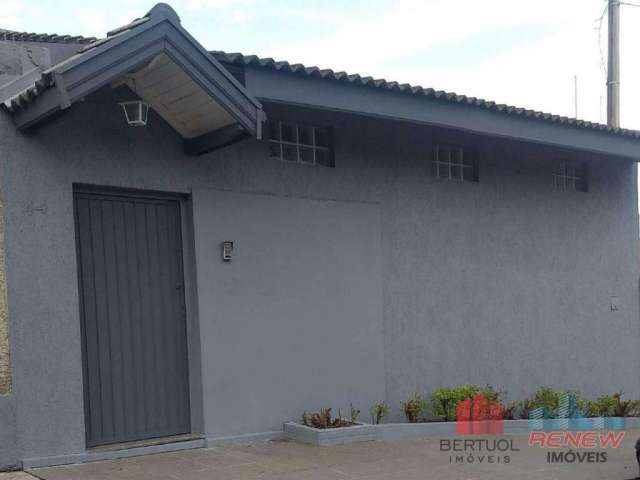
(5, 359)
(413, 282)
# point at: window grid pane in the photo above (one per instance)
(453, 163)
(300, 144)
(569, 177)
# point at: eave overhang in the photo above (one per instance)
(165, 66)
(313, 87)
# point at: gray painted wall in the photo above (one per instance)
(9, 451)
(504, 281)
(300, 306)
(507, 282)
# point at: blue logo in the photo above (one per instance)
(569, 417)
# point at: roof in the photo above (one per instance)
(370, 82)
(316, 72)
(162, 64)
(24, 97)
(497, 115)
(10, 35)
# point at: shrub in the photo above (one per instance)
(549, 400)
(625, 408)
(492, 394)
(603, 406)
(414, 407)
(612, 406)
(513, 411)
(545, 398)
(354, 412)
(517, 409)
(323, 419)
(582, 407)
(378, 412)
(445, 400)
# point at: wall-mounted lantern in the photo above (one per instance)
(136, 112)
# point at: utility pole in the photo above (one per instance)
(613, 70)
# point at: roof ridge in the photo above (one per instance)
(12, 35)
(416, 90)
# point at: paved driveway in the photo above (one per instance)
(401, 460)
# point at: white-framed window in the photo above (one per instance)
(570, 176)
(298, 143)
(453, 162)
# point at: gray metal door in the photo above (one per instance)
(132, 309)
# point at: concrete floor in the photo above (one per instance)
(401, 460)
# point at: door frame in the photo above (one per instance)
(194, 364)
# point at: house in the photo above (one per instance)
(254, 239)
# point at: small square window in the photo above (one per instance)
(570, 176)
(297, 143)
(455, 163)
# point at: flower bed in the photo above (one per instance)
(359, 432)
(363, 432)
(471, 410)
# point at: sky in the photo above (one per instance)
(520, 52)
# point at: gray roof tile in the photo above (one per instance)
(355, 79)
(10, 35)
(299, 69)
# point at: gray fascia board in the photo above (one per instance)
(109, 60)
(240, 103)
(19, 84)
(287, 88)
(188, 53)
(83, 86)
(246, 113)
(86, 55)
(97, 67)
(206, 57)
(50, 101)
(47, 103)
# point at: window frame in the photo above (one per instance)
(464, 153)
(299, 146)
(570, 176)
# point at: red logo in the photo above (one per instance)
(479, 416)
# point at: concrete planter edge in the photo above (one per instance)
(364, 432)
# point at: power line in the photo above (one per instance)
(613, 54)
(599, 29)
(599, 21)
